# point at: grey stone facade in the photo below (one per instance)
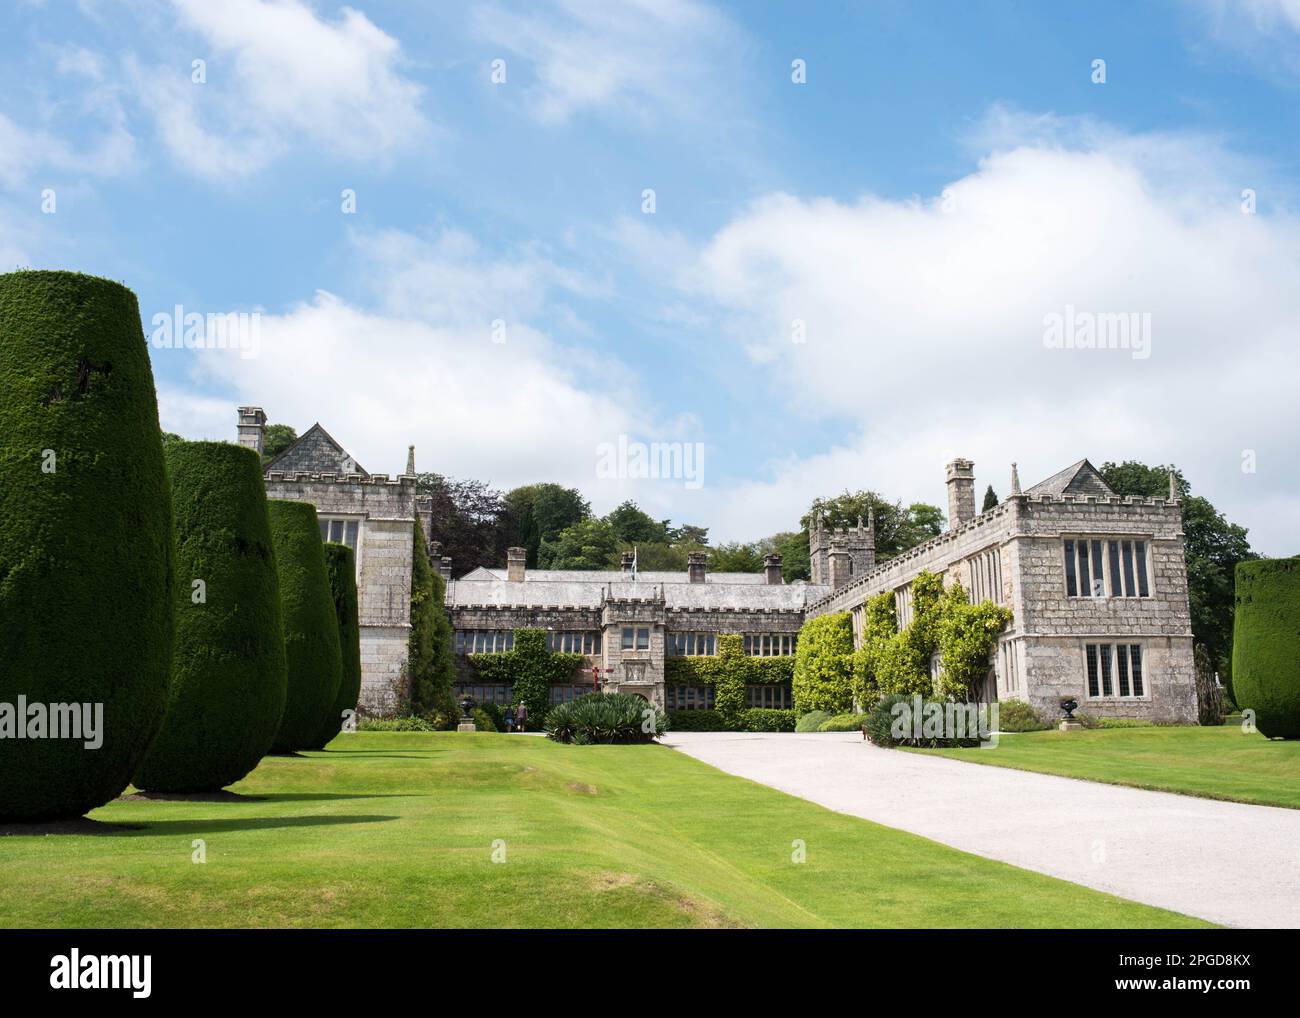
(1016, 553)
(373, 513)
(657, 608)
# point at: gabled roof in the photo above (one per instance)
(315, 452)
(1079, 478)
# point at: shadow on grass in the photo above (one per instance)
(226, 825)
(79, 826)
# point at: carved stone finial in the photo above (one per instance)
(1173, 487)
(410, 460)
(1015, 480)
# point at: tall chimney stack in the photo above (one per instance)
(625, 563)
(772, 569)
(961, 492)
(695, 564)
(252, 428)
(516, 558)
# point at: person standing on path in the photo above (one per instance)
(510, 717)
(522, 716)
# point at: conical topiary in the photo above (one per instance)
(85, 544)
(311, 633)
(341, 566)
(228, 673)
(1266, 644)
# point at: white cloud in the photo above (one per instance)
(421, 367)
(646, 58)
(278, 73)
(925, 325)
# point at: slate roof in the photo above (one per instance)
(315, 452)
(1079, 478)
(487, 574)
(589, 593)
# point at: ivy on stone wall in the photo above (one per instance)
(943, 621)
(531, 668)
(823, 665)
(704, 671)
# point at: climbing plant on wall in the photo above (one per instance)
(531, 668)
(943, 621)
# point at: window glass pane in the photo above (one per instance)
(1140, 553)
(351, 538)
(1071, 587)
(1130, 589)
(1093, 689)
(1121, 666)
(643, 639)
(1106, 688)
(324, 530)
(1085, 588)
(1135, 652)
(1116, 587)
(1098, 580)
(627, 638)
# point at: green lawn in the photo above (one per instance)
(1218, 763)
(386, 829)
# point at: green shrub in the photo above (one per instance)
(765, 719)
(844, 723)
(880, 723)
(228, 666)
(311, 631)
(395, 725)
(823, 665)
(812, 721)
(604, 718)
(1019, 716)
(86, 550)
(880, 626)
(696, 721)
(484, 721)
(1266, 645)
(341, 569)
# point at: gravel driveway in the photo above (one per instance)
(1224, 861)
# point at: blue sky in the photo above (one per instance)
(947, 176)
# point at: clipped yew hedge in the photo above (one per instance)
(311, 631)
(1266, 644)
(341, 568)
(228, 666)
(86, 572)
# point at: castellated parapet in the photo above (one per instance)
(1017, 554)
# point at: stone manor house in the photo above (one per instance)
(1096, 584)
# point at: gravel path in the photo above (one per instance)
(1224, 861)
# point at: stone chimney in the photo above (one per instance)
(840, 563)
(695, 564)
(515, 560)
(444, 567)
(252, 428)
(961, 493)
(625, 563)
(410, 461)
(772, 569)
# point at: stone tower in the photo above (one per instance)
(858, 545)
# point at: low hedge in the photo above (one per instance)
(880, 724)
(843, 723)
(1019, 716)
(751, 719)
(696, 721)
(812, 721)
(395, 725)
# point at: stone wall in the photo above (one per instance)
(385, 511)
(1041, 657)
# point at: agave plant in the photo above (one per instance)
(605, 718)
